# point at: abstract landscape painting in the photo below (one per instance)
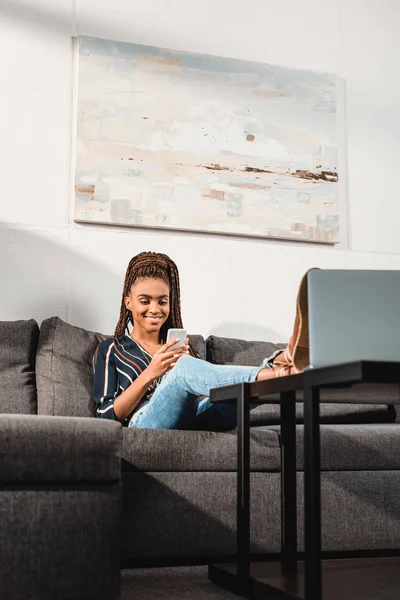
(169, 139)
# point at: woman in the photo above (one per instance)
(140, 381)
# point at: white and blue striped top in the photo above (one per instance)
(117, 362)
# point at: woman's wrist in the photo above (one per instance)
(147, 376)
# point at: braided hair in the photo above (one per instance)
(158, 266)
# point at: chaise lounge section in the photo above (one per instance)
(60, 493)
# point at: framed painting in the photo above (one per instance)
(176, 140)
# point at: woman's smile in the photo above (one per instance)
(154, 320)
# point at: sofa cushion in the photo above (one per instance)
(199, 344)
(42, 448)
(18, 344)
(343, 448)
(64, 368)
(269, 414)
(334, 411)
(359, 447)
(233, 351)
(177, 450)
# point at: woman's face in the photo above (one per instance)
(148, 302)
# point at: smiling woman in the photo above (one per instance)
(140, 380)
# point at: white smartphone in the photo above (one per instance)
(174, 334)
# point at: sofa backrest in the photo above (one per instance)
(64, 378)
(241, 352)
(232, 351)
(18, 344)
(64, 368)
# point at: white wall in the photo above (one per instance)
(230, 286)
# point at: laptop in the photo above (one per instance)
(353, 315)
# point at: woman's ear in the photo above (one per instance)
(128, 303)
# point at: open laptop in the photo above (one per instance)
(353, 315)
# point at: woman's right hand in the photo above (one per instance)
(165, 358)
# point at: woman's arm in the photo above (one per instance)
(112, 402)
(163, 360)
(125, 403)
(106, 385)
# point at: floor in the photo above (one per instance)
(363, 582)
(173, 583)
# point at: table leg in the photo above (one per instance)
(288, 483)
(312, 495)
(243, 484)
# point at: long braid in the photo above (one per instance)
(160, 266)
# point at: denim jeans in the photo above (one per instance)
(177, 403)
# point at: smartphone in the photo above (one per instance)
(174, 334)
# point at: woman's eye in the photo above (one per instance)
(143, 302)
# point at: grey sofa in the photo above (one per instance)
(179, 486)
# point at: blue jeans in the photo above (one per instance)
(177, 403)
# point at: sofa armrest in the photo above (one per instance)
(43, 449)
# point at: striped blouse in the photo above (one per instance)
(116, 364)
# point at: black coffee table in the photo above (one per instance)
(291, 578)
